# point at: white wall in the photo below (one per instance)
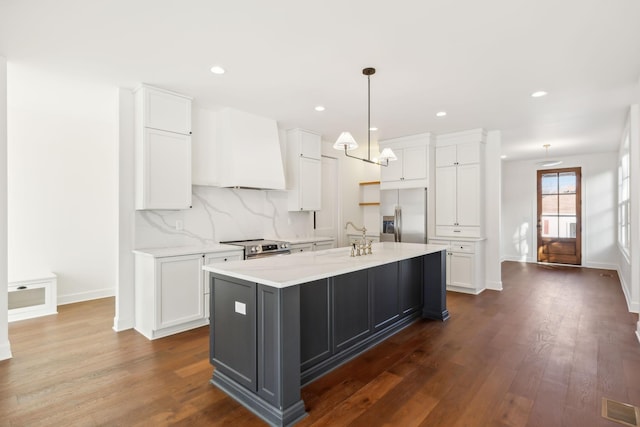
(5, 347)
(599, 209)
(493, 200)
(352, 172)
(629, 267)
(62, 143)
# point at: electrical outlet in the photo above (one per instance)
(179, 225)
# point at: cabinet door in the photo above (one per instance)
(414, 163)
(461, 270)
(180, 290)
(385, 294)
(446, 156)
(394, 171)
(233, 332)
(351, 309)
(167, 111)
(446, 195)
(410, 280)
(165, 181)
(310, 145)
(468, 195)
(310, 184)
(315, 323)
(468, 153)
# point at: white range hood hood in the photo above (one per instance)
(249, 154)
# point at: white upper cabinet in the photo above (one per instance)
(304, 170)
(166, 111)
(411, 170)
(459, 184)
(163, 149)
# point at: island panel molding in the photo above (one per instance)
(304, 314)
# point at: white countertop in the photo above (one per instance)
(289, 270)
(188, 250)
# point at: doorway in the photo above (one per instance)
(559, 216)
(327, 219)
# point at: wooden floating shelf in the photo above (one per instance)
(370, 183)
(369, 203)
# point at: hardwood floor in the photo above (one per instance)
(543, 352)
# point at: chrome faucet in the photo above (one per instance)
(362, 247)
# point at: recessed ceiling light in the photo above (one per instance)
(504, 156)
(538, 94)
(319, 108)
(373, 129)
(441, 113)
(216, 69)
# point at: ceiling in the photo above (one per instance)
(477, 60)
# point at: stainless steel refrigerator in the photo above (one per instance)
(404, 215)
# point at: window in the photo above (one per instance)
(624, 221)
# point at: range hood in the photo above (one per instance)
(249, 153)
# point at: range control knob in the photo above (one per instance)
(253, 248)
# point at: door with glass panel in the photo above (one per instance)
(559, 222)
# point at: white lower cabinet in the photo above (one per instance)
(320, 246)
(171, 292)
(312, 246)
(465, 265)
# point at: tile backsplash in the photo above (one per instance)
(220, 214)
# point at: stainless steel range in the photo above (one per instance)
(261, 248)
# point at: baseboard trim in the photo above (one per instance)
(5, 351)
(123, 324)
(493, 286)
(85, 296)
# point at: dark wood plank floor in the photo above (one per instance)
(543, 352)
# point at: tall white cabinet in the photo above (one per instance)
(163, 149)
(411, 170)
(459, 207)
(304, 170)
(460, 189)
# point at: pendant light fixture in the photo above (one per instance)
(346, 142)
(548, 163)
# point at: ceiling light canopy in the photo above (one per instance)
(347, 143)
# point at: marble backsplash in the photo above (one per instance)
(221, 214)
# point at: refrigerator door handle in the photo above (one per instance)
(398, 227)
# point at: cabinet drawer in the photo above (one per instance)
(466, 247)
(440, 242)
(453, 231)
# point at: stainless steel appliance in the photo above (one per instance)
(404, 215)
(260, 248)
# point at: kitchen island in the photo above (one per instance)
(278, 323)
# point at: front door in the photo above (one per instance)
(559, 216)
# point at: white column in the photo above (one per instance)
(125, 308)
(5, 347)
(493, 198)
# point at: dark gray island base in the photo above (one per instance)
(267, 342)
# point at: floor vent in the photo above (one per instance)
(621, 413)
(606, 275)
